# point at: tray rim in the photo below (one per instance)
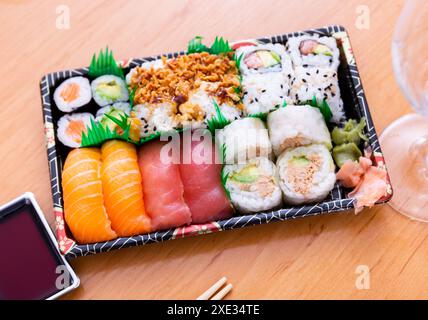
(71, 249)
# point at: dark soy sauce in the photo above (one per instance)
(28, 258)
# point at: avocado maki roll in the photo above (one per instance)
(264, 58)
(117, 110)
(253, 186)
(109, 89)
(306, 174)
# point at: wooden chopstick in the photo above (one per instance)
(214, 288)
(223, 292)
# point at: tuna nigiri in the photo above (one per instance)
(83, 198)
(163, 188)
(203, 191)
(123, 194)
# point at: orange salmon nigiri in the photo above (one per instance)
(83, 198)
(123, 192)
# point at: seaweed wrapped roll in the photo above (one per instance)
(109, 89)
(72, 94)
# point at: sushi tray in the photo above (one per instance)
(214, 138)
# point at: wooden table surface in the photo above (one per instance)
(315, 257)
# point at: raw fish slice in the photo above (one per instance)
(203, 191)
(83, 199)
(123, 194)
(163, 189)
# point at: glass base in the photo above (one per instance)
(405, 147)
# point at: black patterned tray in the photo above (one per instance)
(355, 104)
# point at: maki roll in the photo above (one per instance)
(109, 89)
(314, 51)
(306, 174)
(253, 186)
(264, 58)
(118, 107)
(118, 111)
(266, 72)
(72, 94)
(295, 126)
(321, 83)
(71, 128)
(244, 139)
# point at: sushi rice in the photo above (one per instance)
(72, 94)
(295, 126)
(319, 51)
(244, 139)
(71, 127)
(306, 174)
(264, 92)
(253, 186)
(321, 83)
(201, 98)
(155, 118)
(109, 89)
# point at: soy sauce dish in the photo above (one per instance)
(35, 269)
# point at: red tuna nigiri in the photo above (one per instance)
(203, 191)
(163, 189)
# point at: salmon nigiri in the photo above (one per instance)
(83, 198)
(123, 192)
(163, 188)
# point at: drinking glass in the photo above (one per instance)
(405, 141)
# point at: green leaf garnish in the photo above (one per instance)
(96, 133)
(220, 46)
(218, 121)
(104, 64)
(238, 59)
(224, 176)
(150, 137)
(324, 108)
(261, 115)
(131, 97)
(196, 46)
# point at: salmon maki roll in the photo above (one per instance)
(84, 209)
(123, 192)
(163, 188)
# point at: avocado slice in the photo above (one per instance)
(299, 161)
(248, 174)
(114, 113)
(109, 90)
(268, 58)
(323, 49)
